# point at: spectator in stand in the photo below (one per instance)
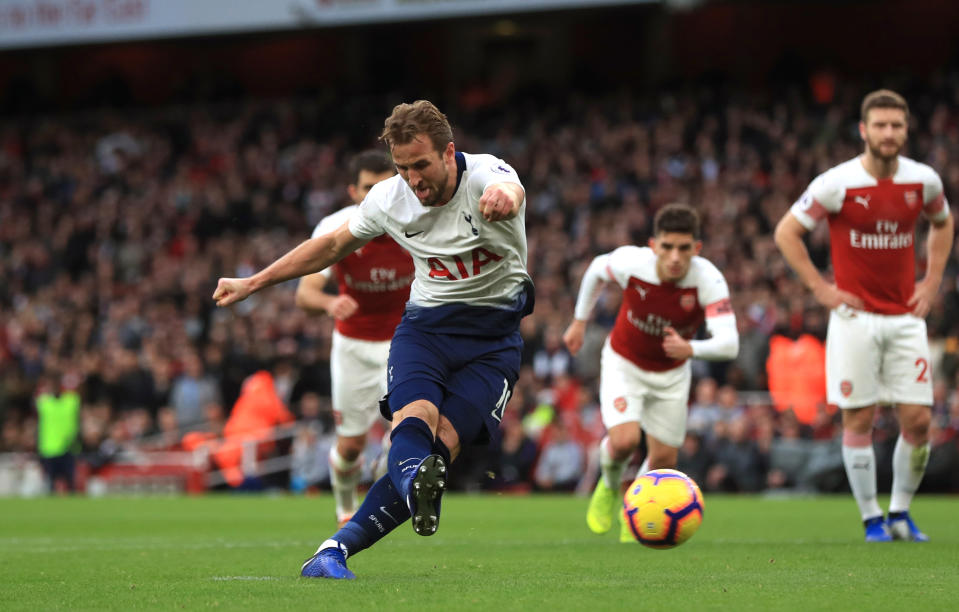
(192, 391)
(309, 454)
(694, 458)
(10, 437)
(730, 407)
(552, 360)
(942, 473)
(704, 411)
(740, 466)
(788, 454)
(560, 464)
(167, 435)
(517, 456)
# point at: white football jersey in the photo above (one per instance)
(459, 256)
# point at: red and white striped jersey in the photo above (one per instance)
(872, 226)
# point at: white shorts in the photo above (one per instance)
(658, 401)
(876, 359)
(358, 377)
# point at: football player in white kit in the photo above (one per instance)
(876, 346)
(455, 356)
(373, 287)
(668, 291)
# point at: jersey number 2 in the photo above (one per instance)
(922, 363)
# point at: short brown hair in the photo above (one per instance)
(676, 218)
(421, 117)
(374, 161)
(882, 98)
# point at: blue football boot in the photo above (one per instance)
(902, 528)
(876, 530)
(328, 562)
(425, 493)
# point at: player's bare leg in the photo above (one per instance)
(615, 450)
(346, 463)
(909, 461)
(661, 455)
(859, 459)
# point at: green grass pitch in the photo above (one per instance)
(491, 553)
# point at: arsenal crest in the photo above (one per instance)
(845, 387)
(912, 198)
(687, 301)
(620, 404)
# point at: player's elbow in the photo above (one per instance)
(300, 298)
(787, 231)
(945, 224)
(779, 234)
(305, 296)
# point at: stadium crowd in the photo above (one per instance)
(115, 225)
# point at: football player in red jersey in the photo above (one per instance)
(374, 284)
(876, 346)
(668, 292)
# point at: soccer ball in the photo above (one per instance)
(663, 508)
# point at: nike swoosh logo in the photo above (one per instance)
(383, 510)
(409, 235)
(408, 460)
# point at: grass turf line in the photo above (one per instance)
(507, 553)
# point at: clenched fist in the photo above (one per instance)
(497, 203)
(231, 290)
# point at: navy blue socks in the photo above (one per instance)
(382, 510)
(412, 441)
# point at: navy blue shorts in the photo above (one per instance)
(470, 378)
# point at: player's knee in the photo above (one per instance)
(350, 448)
(858, 420)
(420, 409)
(623, 443)
(915, 428)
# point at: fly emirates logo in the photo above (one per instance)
(381, 280)
(887, 236)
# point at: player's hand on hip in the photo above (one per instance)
(831, 296)
(922, 298)
(675, 346)
(343, 307)
(231, 290)
(573, 336)
(497, 204)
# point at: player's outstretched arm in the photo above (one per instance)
(501, 201)
(589, 288)
(310, 256)
(938, 248)
(789, 238)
